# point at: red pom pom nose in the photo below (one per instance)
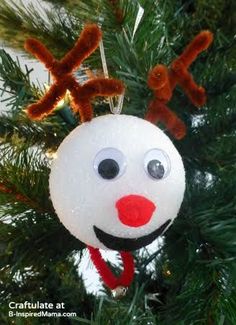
(135, 210)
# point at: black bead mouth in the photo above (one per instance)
(128, 244)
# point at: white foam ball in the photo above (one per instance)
(138, 151)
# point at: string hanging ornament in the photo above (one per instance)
(117, 181)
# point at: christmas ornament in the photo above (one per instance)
(117, 181)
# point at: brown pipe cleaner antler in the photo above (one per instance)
(62, 72)
(163, 81)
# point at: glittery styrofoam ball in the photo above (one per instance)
(117, 182)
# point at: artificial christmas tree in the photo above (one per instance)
(193, 276)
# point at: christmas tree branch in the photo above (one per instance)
(16, 82)
(17, 197)
(47, 134)
(27, 20)
(22, 91)
(24, 176)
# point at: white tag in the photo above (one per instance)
(138, 20)
(114, 109)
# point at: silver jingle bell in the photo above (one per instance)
(119, 292)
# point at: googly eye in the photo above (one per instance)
(157, 164)
(109, 163)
